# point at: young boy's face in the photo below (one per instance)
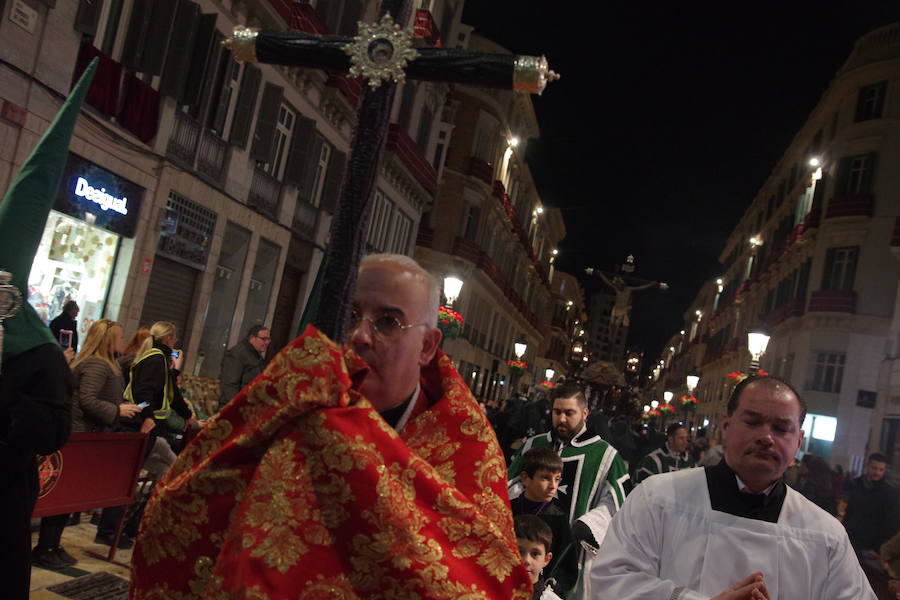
(535, 557)
(541, 487)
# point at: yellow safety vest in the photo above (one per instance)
(168, 393)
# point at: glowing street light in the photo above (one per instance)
(667, 396)
(519, 347)
(549, 373)
(452, 288)
(757, 341)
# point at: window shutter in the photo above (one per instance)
(310, 164)
(246, 102)
(133, 52)
(868, 175)
(301, 143)
(159, 30)
(264, 135)
(333, 180)
(87, 16)
(224, 78)
(200, 53)
(181, 44)
(828, 272)
(843, 176)
(352, 13)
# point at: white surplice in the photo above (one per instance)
(666, 543)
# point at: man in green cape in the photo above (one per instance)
(35, 383)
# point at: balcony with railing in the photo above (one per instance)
(184, 139)
(265, 194)
(305, 219)
(411, 157)
(854, 205)
(480, 170)
(791, 308)
(212, 156)
(842, 301)
(426, 29)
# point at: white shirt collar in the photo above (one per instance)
(742, 487)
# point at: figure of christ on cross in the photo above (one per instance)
(623, 286)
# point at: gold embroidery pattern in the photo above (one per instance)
(276, 484)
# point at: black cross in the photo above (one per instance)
(349, 227)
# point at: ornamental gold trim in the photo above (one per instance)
(531, 74)
(243, 44)
(380, 52)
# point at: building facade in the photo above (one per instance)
(220, 178)
(489, 227)
(814, 260)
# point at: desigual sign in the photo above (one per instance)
(100, 197)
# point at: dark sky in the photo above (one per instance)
(667, 120)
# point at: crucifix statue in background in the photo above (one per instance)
(383, 55)
(623, 284)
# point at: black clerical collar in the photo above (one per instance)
(725, 496)
(397, 416)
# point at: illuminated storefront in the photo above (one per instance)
(93, 211)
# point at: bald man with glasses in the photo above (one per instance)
(366, 470)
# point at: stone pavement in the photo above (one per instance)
(78, 540)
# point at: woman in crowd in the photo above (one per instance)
(97, 406)
(153, 380)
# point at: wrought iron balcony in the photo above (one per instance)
(265, 193)
(843, 301)
(856, 205)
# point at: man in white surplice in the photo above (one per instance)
(733, 531)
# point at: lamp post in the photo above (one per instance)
(691, 379)
(667, 396)
(520, 346)
(757, 340)
(549, 373)
(452, 288)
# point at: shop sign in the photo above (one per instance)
(95, 195)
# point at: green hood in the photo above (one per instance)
(24, 212)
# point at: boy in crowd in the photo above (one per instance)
(535, 539)
(541, 473)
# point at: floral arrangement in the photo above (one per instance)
(739, 376)
(450, 322)
(666, 408)
(653, 412)
(547, 385)
(688, 399)
(517, 366)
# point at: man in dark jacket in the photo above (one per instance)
(871, 517)
(243, 362)
(65, 321)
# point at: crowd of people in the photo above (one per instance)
(730, 517)
(129, 388)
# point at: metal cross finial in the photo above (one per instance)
(10, 302)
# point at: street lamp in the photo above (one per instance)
(520, 346)
(667, 396)
(654, 403)
(693, 378)
(452, 287)
(549, 373)
(757, 340)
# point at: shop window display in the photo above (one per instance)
(74, 261)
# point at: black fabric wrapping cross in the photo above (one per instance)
(330, 304)
(724, 496)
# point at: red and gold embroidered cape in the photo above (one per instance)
(298, 489)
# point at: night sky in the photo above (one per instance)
(668, 118)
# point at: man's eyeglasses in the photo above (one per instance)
(386, 326)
